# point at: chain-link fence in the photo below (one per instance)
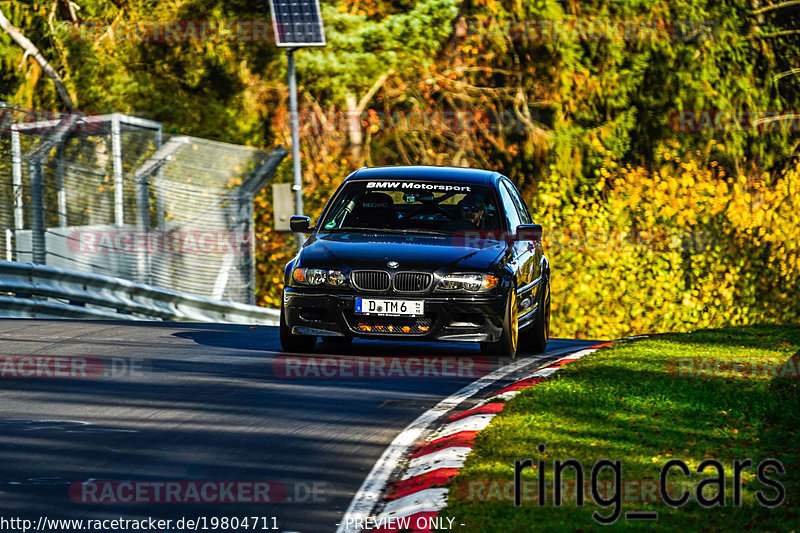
(111, 194)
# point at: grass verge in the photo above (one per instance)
(711, 394)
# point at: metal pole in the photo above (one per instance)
(295, 122)
(62, 194)
(9, 246)
(247, 265)
(160, 184)
(37, 206)
(116, 153)
(16, 169)
(142, 186)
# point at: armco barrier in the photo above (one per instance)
(40, 291)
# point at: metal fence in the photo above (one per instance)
(39, 291)
(113, 195)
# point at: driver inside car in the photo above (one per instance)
(470, 211)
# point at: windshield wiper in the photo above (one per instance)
(426, 231)
(388, 230)
(352, 229)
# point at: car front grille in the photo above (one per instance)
(370, 280)
(412, 281)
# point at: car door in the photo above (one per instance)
(534, 246)
(521, 255)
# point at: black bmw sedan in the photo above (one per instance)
(418, 252)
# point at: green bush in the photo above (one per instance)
(672, 250)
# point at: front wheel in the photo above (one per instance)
(294, 343)
(537, 336)
(509, 340)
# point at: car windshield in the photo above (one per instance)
(413, 206)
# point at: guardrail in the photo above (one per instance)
(39, 291)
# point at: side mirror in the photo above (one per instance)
(300, 224)
(529, 232)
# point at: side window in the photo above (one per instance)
(509, 207)
(522, 210)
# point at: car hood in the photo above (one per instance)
(411, 251)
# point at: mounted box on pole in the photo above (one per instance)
(297, 24)
(282, 208)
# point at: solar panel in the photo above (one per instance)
(297, 23)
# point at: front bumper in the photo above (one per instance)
(462, 318)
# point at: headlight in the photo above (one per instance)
(318, 276)
(467, 282)
(335, 277)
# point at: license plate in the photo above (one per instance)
(380, 307)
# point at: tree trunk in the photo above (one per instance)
(34, 52)
(354, 128)
(354, 112)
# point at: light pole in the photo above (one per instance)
(294, 119)
(297, 24)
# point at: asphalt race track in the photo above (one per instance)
(206, 402)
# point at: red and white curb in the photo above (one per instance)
(417, 497)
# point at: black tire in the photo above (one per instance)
(295, 343)
(535, 338)
(508, 344)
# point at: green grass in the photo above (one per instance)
(626, 403)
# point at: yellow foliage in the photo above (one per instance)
(678, 249)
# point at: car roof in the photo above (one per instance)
(446, 174)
